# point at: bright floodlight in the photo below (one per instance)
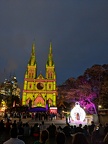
(77, 113)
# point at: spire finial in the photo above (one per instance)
(33, 48)
(32, 60)
(50, 47)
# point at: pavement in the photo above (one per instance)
(57, 121)
(46, 122)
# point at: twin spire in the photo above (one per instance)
(33, 49)
(32, 60)
(50, 57)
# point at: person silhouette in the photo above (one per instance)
(14, 139)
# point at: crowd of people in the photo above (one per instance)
(23, 133)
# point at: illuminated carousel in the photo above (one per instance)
(78, 115)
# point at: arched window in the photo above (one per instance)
(49, 86)
(50, 75)
(30, 85)
(29, 75)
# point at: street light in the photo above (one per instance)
(99, 106)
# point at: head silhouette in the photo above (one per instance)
(14, 132)
(79, 138)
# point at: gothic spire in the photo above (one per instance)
(50, 56)
(32, 60)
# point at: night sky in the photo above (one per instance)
(78, 30)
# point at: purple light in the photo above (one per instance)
(37, 109)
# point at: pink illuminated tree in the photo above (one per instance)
(90, 89)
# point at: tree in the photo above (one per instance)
(92, 86)
(104, 89)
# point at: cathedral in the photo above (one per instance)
(39, 91)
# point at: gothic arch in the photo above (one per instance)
(50, 101)
(27, 101)
(39, 101)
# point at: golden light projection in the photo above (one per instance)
(38, 90)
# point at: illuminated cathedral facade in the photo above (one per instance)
(39, 91)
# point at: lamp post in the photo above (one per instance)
(99, 106)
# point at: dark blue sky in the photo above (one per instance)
(78, 30)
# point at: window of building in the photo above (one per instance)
(30, 85)
(50, 75)
(29, 75)
(49, 86)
